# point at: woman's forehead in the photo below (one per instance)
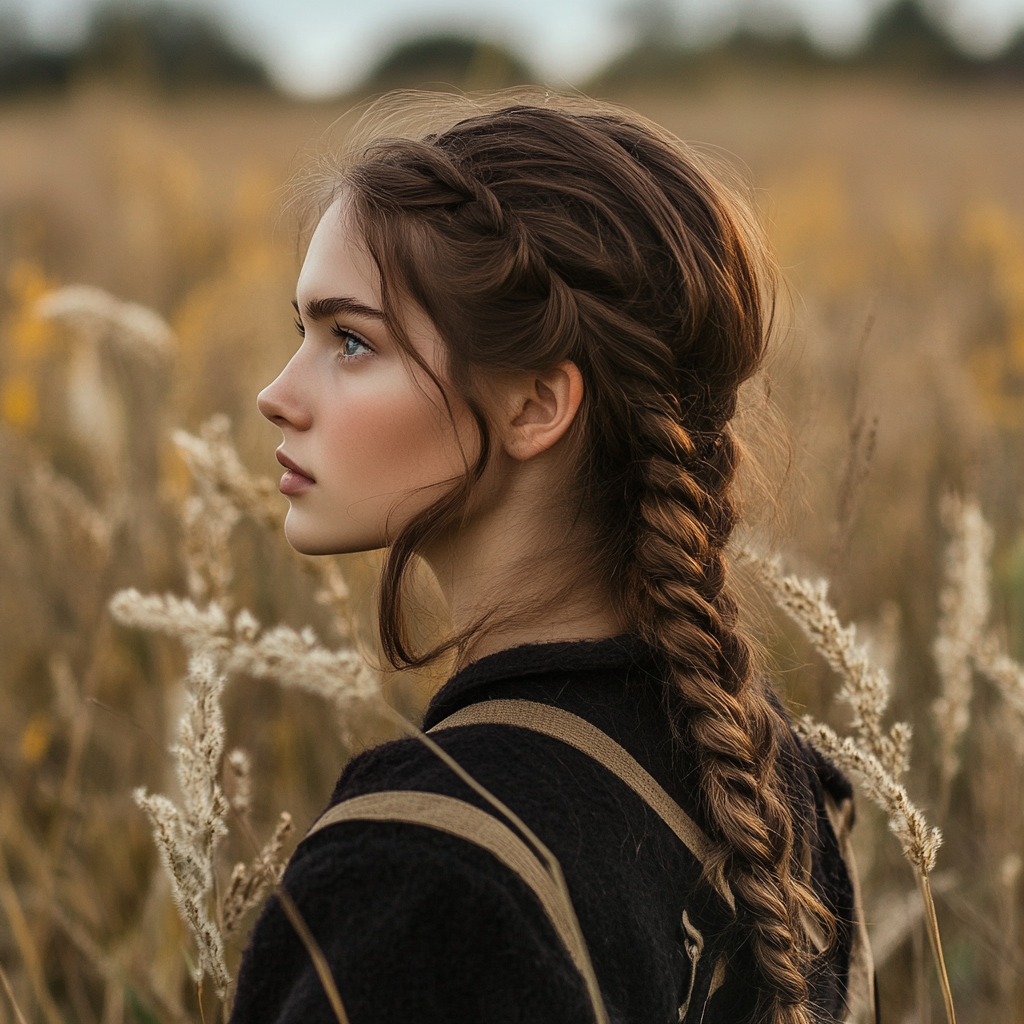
(338, 262)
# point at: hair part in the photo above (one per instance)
(580, 231)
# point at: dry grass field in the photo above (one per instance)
(898, 377)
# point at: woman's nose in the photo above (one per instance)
(281, 401)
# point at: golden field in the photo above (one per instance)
(898, 217)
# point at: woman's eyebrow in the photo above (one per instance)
(337, 305)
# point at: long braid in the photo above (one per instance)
(592, 237)
(690, 618)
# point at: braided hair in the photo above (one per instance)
(554, 230)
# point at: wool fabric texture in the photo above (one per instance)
(418, 925)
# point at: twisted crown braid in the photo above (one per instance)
(531, 235)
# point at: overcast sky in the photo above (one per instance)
(321, 46)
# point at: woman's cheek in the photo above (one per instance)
(384, 450)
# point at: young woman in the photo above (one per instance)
(523, 336)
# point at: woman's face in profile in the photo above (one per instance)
(368, 442)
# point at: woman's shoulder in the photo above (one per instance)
(397, 905)
(414, 923)
(627, 870)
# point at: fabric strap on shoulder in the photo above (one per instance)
(579, 733)
(458, 818)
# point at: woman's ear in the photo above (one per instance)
(542, 407)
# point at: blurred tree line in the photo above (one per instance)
(150, 45)
(155, 45)
(905, 37)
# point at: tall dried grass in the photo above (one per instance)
(898, 204)
(875, 758)
(219, 646)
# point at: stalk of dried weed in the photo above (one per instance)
(963, 614)
(75, 543)
(122, 341)
(967, 645)
(874, 757)
(964, 644)
(220, 646)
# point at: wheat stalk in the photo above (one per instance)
(226, 490)
(221, 645)
(94, 312)
(58, 506)
(866, 688)
(292, 657)
(965, 643)
(1000, 669)
(249, 882)
(963, 613)
(874, 758)
(187, 836)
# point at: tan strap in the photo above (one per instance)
(579, 733)
(458, 818)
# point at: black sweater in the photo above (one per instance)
(418, 925)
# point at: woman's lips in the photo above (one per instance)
(294, 480)
(294, 483)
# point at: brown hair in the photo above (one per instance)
(552, 230)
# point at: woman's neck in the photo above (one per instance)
(545, 628)
(515, 573)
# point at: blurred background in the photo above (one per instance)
(145, 149)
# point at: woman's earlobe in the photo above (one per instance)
(546, 405)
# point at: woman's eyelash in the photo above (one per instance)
(350, 336)
(339, 332)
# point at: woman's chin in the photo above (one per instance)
(313, 539)
(305, 539)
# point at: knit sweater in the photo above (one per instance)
(418, 925)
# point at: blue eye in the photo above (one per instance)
(351, 344)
